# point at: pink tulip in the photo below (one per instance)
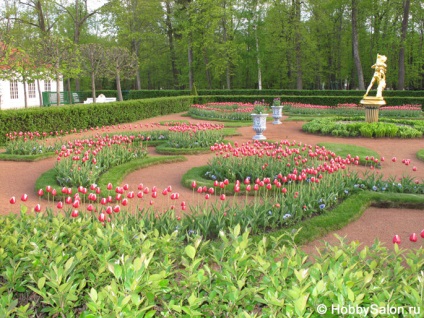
(59, 205)
(74, 214)
(396, 239)
(40, 192)
(413, 237)
(37, 208)
(24, 197)
(12, 200)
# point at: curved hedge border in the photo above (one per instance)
(344, 127)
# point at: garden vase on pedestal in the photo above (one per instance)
(277, 114)
(259, 125)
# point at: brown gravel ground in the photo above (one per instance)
(376, 223)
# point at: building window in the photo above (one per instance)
(47, 86)
(14, 90)
(31, 90)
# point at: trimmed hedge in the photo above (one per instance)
(79, 116)
(316, 100)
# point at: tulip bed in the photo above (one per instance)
(224, 111)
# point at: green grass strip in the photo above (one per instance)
(26, 158)
(163, 149)
(420, 154)
(115, 175)
(348, 211)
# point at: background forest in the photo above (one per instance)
(218, 44)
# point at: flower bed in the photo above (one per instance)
(224, 111)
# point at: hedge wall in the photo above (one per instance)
(316, 100)
(80, 116)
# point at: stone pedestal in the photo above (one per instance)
(277, 114)
(259, 125)
(372, 107)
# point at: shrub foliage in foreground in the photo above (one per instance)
(353, 127)
(55, 266)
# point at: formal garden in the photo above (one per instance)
(95, 238)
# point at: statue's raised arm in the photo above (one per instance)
(379, 76)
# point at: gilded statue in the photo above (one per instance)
(379, 76)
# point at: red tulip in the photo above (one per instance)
(199, 190)
(414, 168)
(98, 190)
(154, 194)
(68, 200)
(74, 214)
(117, 209)
(76, 204)
(125, 202)
(207, 196)
(12, 200)
(118, 197)
(37, 208)
(396, 239)
(90, 207)
(40, 192)
(24, 197)
(422, 233)
(109, 186)
(140, 194)
(93, 186)
(126, 186)
(59, 205)
(165, 192)
(69, 191)
(211, 190)
(146, 190)
(140, 186)
(103, 201)
(65, 190)
(413, 237)
(102, 217)
(394, 159)
(48, 188)
(222, 197)
(54, 192)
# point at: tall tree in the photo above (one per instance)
(355, 45)
(93, 63)
(120, 62)
(401, 69)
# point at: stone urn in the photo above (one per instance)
(277, 114)
(259, 125)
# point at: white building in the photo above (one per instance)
(12, 93)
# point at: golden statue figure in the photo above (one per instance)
(379, 76)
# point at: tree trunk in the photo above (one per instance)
(25, 92)
(190, 65)
(93, 86)
(58, 87)
(298, 48)
(40, 94)
(258, 61)
(118, 86)
(208, 72)
(170, 34)
(401, 74)
(69, 91)
(355, 46)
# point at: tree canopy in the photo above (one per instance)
(218, 44)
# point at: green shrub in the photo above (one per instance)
(67, 118)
